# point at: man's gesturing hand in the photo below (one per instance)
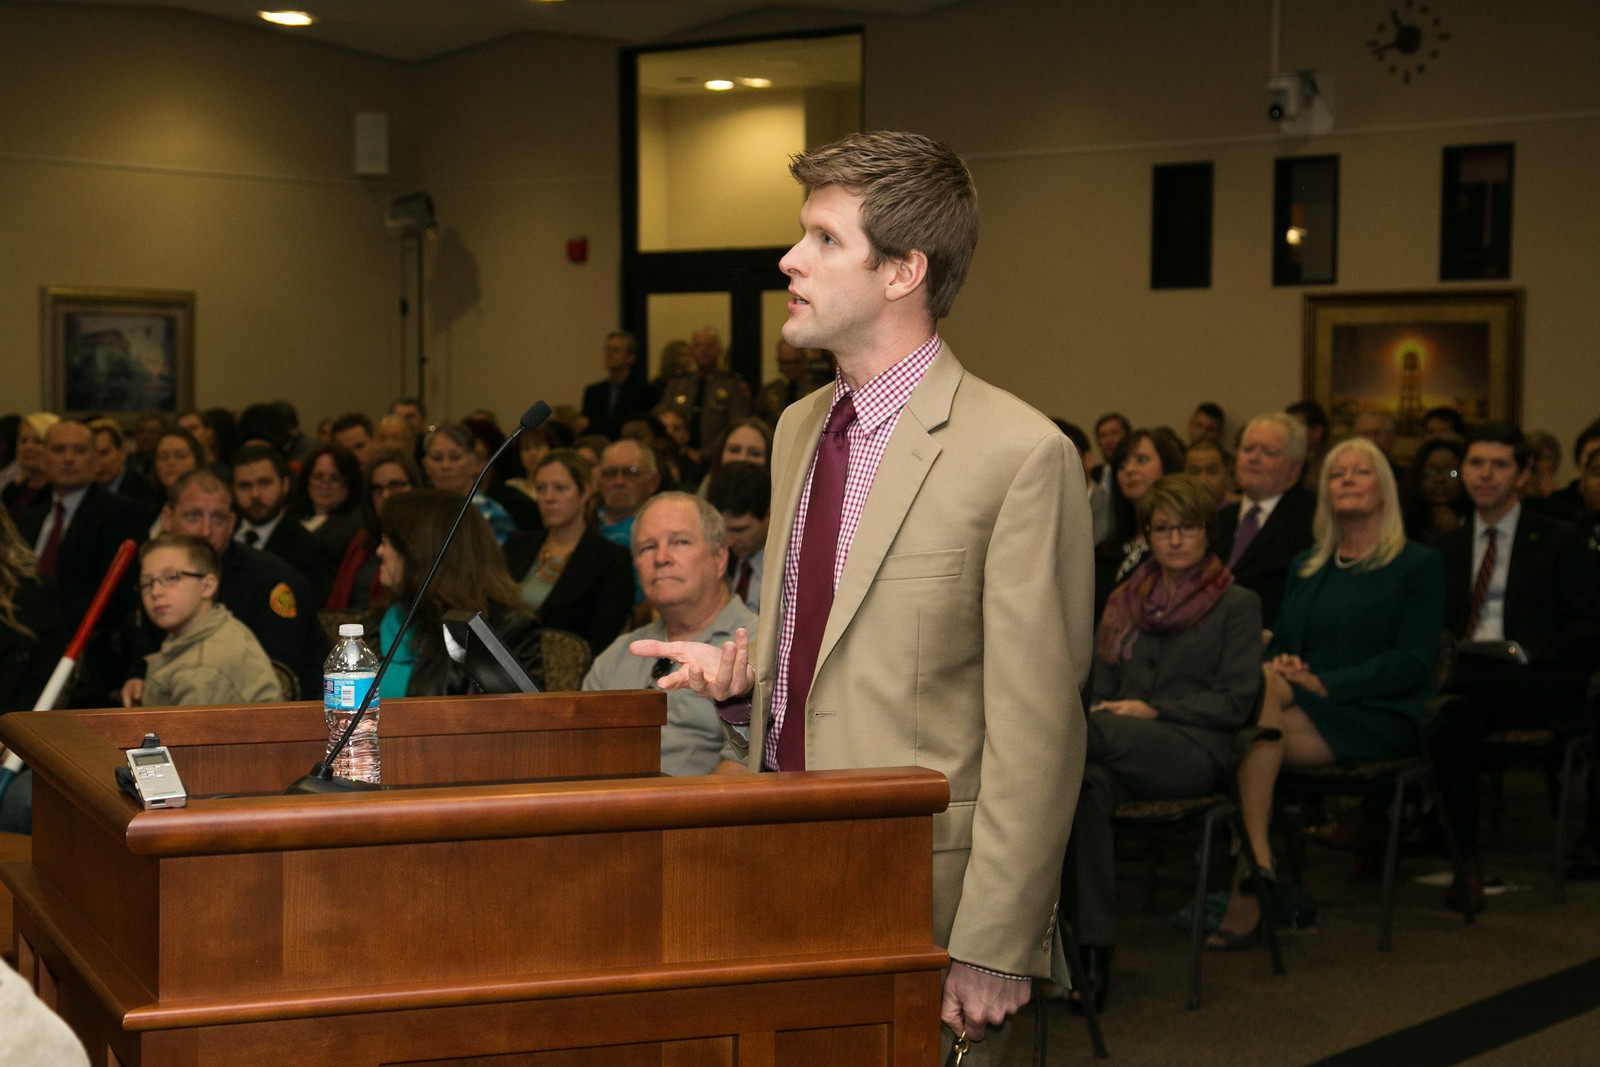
(718, 674)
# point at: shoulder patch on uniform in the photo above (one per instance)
(281, 600)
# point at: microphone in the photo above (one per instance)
(322, 779)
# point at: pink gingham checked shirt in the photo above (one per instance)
(878, 405)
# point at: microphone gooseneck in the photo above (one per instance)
(321, 779)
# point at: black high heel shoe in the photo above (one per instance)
(1096, 978)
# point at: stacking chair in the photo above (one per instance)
(1395, 778)
(1504, 749)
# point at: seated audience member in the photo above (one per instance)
(261, 485)
(1546, 450)
(113, 472)
(709, 399)
(75, 534)
(177, 453)
(746, 441)
(9, 424)
(451, 463)
(221, 434)
(628, 477)
(394, 432)
(1351, 660)
(1566, 502)
(742, 493)
(1177, 669)
(1380, 428)
(357, 584)
(1588, 521)
(1431, 492)
(269, 423)
(1310, 415)
(147, 431)
(414, 412)
(1099, 498)
(353, 432)
(326, 496)
(1206, 460)
(208, 656)
(1139, 459)
(620, 395)
(681, 552)
(30, 485)
(270, 597)
(590, 446)
(795, 379)
(1512, 575)
(1109, 430)
(675, 361)
(297, 446)
(33, 633)
(571, 577)
(1272, 520)
(1443, 422)
(472, 577)
(1207, 423)
(532, 447)
(667, 433)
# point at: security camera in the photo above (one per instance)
(1289, 94)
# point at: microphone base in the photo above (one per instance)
(313, 784)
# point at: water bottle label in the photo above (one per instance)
(346, 694)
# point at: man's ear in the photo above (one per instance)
(910, 271)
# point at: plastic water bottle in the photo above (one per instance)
(347, 674)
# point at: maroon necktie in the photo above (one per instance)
(1248, 526)
(742, 590)
(1480, 586)
(813, 596)
(52, 544)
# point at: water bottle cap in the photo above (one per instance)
(352, 629)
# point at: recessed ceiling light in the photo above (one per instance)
(719, 85)
(287, 18)
(756, 83)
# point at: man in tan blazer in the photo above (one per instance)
(958, 632)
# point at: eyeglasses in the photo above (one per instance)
(620, 472)
(397, 486)
(1186, 530)
(166, 581)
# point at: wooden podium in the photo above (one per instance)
(527, 891)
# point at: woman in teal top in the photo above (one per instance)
(1350, 665)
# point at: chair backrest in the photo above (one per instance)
(566, 660)
(288, 681)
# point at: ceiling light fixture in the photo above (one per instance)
(756, 83)
(287, 18)
(719, 85)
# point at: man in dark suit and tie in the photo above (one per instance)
(1272, 522)
(1512, 575)
(608, 404)
(75, 534)
(113, 471)
(260, 495)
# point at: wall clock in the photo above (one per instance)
(1409, 40)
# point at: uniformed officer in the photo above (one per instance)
(261, 590)
(711, 399)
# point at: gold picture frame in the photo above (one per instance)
(1402, 353)
(116, 351)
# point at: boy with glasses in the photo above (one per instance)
(208, 657)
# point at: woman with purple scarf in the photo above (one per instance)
(1177, 672)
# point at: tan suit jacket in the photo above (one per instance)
(959, 638)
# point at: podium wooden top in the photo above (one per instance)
(241, 749)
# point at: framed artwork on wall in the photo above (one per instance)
(116, 351)
(1404, 353)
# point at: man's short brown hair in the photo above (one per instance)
(916, 194)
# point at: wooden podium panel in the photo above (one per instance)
(525, 910)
